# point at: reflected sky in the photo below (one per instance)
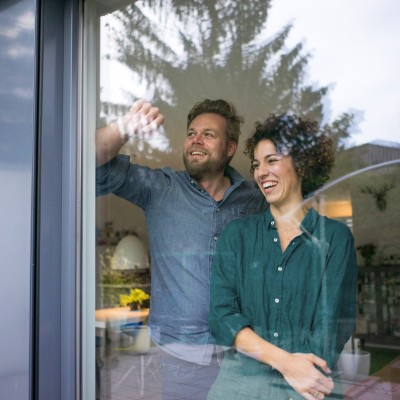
(355, 51)
(17, 45)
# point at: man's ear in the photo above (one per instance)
(232, 146)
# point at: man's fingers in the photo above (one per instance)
(153, 125)
(137, 105)
(142, 117)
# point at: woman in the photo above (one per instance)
(283, 283)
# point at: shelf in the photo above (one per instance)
(124, 285)
(377, 301)
(387, 340)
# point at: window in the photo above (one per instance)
(175, 54)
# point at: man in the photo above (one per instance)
(185, 213)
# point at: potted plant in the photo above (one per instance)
(135, 299)
(367, 251)
(354, 362)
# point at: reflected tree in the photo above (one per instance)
(191, 50)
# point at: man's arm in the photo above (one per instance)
(143, 117)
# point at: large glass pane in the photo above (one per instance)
(17, 141)
(177, 53)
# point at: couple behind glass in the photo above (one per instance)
(207, 196)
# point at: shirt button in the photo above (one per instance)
(275, 240)
(272, 222)
(215, 237)
(217, 209)
(280, 269)
(276, 334)
(276, 300)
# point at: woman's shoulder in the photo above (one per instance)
(333, 226)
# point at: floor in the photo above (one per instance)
(127, 376)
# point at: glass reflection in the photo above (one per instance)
(174, 54)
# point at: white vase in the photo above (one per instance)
(355, 366)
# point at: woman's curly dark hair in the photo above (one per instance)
(311, 151)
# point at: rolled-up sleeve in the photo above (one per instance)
(136, 183)
(225, 317)
(112, 175)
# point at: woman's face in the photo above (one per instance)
(275, 175)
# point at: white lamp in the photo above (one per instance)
(130, 253)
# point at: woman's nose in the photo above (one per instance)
(263, 169)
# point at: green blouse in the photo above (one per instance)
(302, 300)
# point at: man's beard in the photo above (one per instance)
(209, 168)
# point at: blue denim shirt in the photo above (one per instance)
(184, 223)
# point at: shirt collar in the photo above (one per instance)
(307, 225)
(233, 176)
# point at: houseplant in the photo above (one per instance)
(367, 251)
(135, 299)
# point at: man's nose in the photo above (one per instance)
(198, 138)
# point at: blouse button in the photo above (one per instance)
(276, 334)
(272, 222)
(275, 240)
(276, 300)
(280, 269)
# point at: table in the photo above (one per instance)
(108, 320)
(115, 317)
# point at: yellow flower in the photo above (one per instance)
(135, 296)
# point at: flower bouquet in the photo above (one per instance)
(135, 299)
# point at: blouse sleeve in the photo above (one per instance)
(334, 319)
(225, 318)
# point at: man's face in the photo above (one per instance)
(206, 149)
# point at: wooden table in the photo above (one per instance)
(108, 324)
(117, 316)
